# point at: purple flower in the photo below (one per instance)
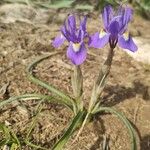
(115, 25)
(76, 51)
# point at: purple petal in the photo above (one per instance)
(126, 18)
(80, 36)
(107, 15)
(127, 44)
(71, 26)
(97, 41)
(71, 32)
(79, 57)
(82, 30)
(72, 22)
(65, 32)
(69, 29)
(114, 28)
(83, 24)
(68, 35)
(58, 41)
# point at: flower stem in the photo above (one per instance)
(101, 80)
(77, 85)
(98, 87)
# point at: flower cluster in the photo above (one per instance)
(115, 28)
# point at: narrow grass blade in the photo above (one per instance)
(57, 4)
(76, 122)
(84, 7)
(26, 97)
(9, 138)
(14, 146)
(16, 142)
(125, 121)
(30, 131)
(65, 98)
(35, 146)
(6, 134)
(16, 1)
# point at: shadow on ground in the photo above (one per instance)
(103, 140)
(116, 94)
(145, 142)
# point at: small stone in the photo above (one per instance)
(7, 123)
(6, 147)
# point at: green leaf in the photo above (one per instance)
(15, 1)
(84, 7)
(56, 4)
(9, 138)
(59, 4)
(14, 146)
(67, 100)
(76, 122)
(6, 135)
(26, 97)
(30, 131)
(16, 142)
(34, 146)
(124, 120)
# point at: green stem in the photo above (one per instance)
(101, 80)
(125, 121)
(77, 86)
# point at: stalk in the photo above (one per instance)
(101, 80)
(98, 88)
(77, 86)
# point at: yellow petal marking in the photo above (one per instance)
(126, 35)
(102, 33)
(76, 46)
